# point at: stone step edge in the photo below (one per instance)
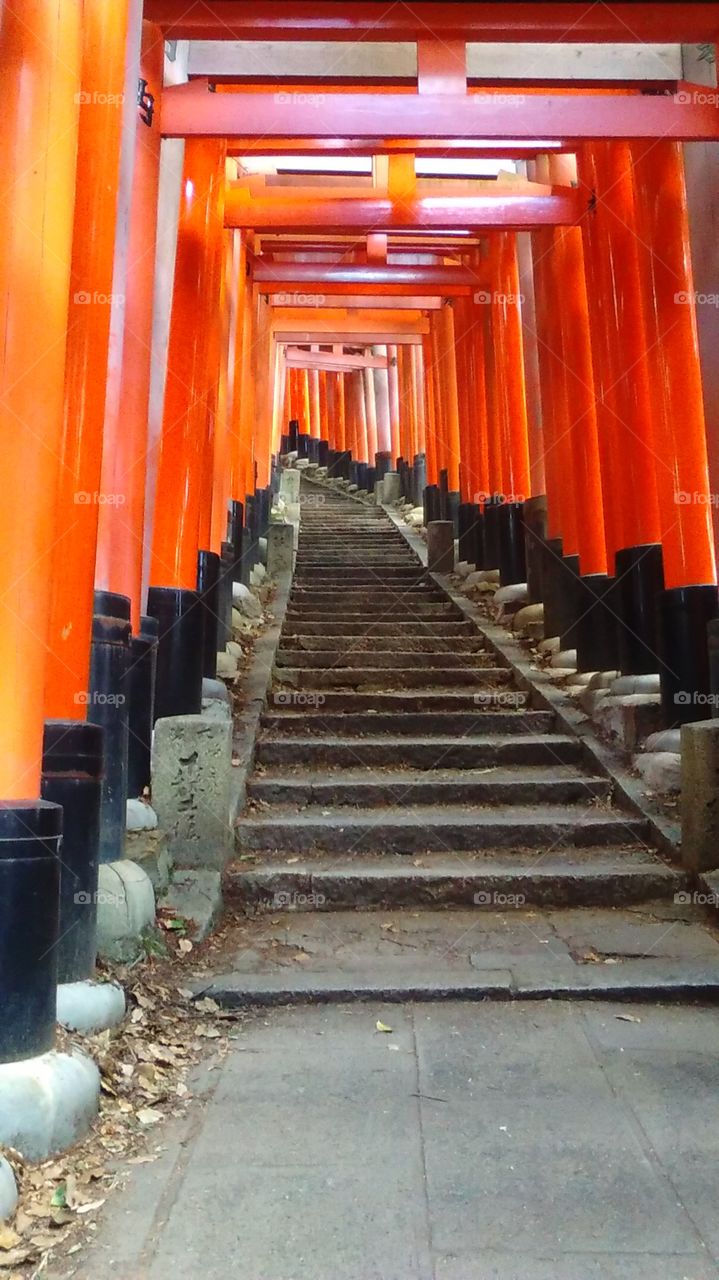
(675, 982)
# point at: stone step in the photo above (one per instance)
(475, 752)
(423, 723)
(428, 613)
(508, 882)
(398, 702)
(322, 659)
(349, 677)
(448, 628)
(384, 643)
(419, 828)
(530, 785)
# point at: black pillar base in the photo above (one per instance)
(465, 533)
(72, 768)
(597, 636)
(323, 453)
(431, 502)
(303, 445)
(208, 589)
(383, 463)
(683, 616)
(285, 445)
(178, 690)
(640, 579)
(370, 479)
(559, 584)
(313, 450)
(30, 832)
(451, 506)
(293, 429)
(491, 532)
(535, 534)
(141, 678)
(419, 479)
(227, 571)
(109, 706)
(512, 556)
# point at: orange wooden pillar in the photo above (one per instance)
(418, 397)
(40, 67)
(428, 375)
(121, 521)
(394, 403)
(680, 454)
(681, 466)
(180, 474)
(81, 496)
(450, 447)
(509, 369)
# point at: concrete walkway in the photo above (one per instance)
(535, 1141)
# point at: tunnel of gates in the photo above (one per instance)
(482, 270)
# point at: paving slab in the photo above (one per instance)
(496, 1142)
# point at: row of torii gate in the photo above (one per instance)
(529, 336)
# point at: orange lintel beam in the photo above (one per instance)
(374, 302)
(364, 278)
(625, 21)
(192, 110)
(505, 209)
(297, 358)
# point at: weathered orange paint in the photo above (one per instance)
(681, 466)
(124, 462)
(185, 428)
(81, 494)
(40, 68)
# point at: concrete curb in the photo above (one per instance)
(650, 980)
(253, 689)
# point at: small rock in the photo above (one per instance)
(244, 600)
(140, 816)
(258, 573)
(660, 770)
(514, 594)
(226, 666)
(565, 658)
(666, 740)
(463, 569)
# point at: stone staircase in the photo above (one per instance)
(400, 769)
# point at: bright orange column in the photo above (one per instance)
(681, 467)
(121, 522)
(394, 401)
(507, 331)
(184, 433)
(81, 495)
(429, 403)
(448, 374)
(627, 410)
(40, 65)
(574, 337)
(237, 445)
